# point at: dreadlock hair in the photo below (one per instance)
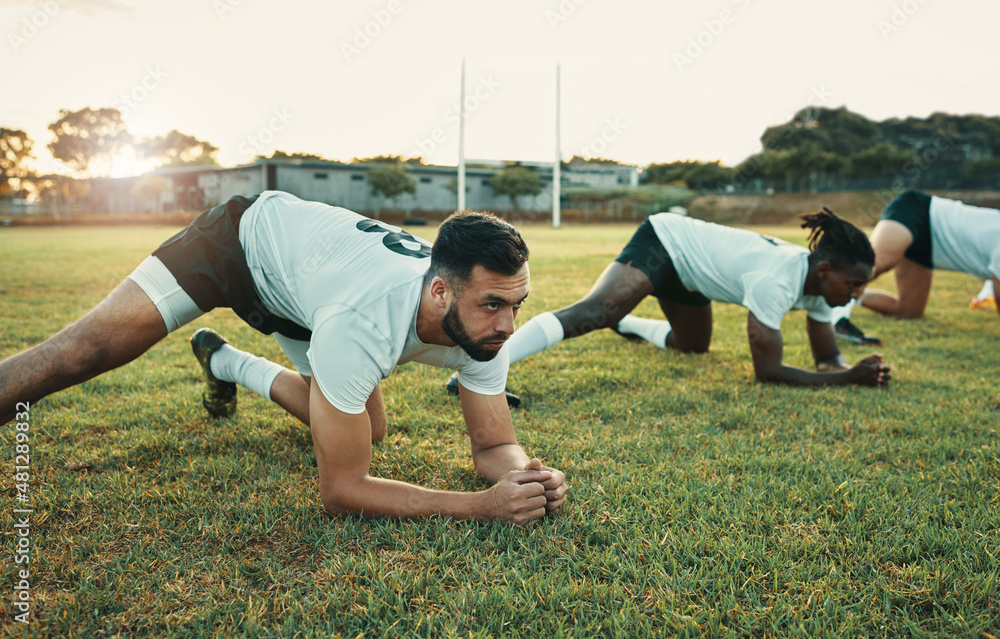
(835, 240)
(470, 238)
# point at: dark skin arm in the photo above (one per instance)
(767, 349)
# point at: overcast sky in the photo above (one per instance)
(642, 81)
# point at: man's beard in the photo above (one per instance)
(455, 329)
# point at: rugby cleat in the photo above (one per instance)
(846, 329)
(219, 398)
(452, 386)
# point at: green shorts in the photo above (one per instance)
(912, 209)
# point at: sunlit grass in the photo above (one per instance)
(703, 504)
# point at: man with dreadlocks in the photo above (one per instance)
(687, 263)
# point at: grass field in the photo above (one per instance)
(702, 503)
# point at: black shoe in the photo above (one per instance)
(219, 398)
(845, 329)
(632, 337)
(452, 387)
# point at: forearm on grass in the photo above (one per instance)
(375, 497)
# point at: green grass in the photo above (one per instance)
(702, 504)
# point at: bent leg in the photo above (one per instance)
(291, 392)
(913, 282)
(617, 291)
(691, 326)
(121, 328)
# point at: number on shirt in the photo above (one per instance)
(393, 240)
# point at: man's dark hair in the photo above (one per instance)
(468, 238)
(835, 240)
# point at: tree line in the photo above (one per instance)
(819, 149)
(823, 149)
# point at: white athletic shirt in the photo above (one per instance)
(965, 238)
(764, 274)
(357, 290)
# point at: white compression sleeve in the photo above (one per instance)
(230, 364)
(841, 312)
(653, 331)
(539, 333)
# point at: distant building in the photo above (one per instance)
(338, 184)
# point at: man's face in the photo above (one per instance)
(842, 284)
(480, 318)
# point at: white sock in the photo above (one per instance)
(842, 312)
(256, 373)
(653, 331)
(987, 290)
(540, 332)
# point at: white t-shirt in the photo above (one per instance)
(356, 283)
(965, 238)
(764, 274)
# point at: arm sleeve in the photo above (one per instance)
(345, 353)
(486, 378)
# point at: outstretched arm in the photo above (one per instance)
(767, 349)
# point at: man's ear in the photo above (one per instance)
(441, 292)
(823, 269)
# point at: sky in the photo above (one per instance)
(641, 81)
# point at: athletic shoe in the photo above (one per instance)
(986, 304)
(847, 330)
(632, 337)
(452, 386)
(219, 398)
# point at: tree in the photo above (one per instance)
(391, 181)
(308, 157)
(579, 159)
(89, 140)
(514, 181)
(178, 149)
(879, 161)
(389, 159)
(150, 187)
(15, 148)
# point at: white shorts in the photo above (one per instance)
(177, 308)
